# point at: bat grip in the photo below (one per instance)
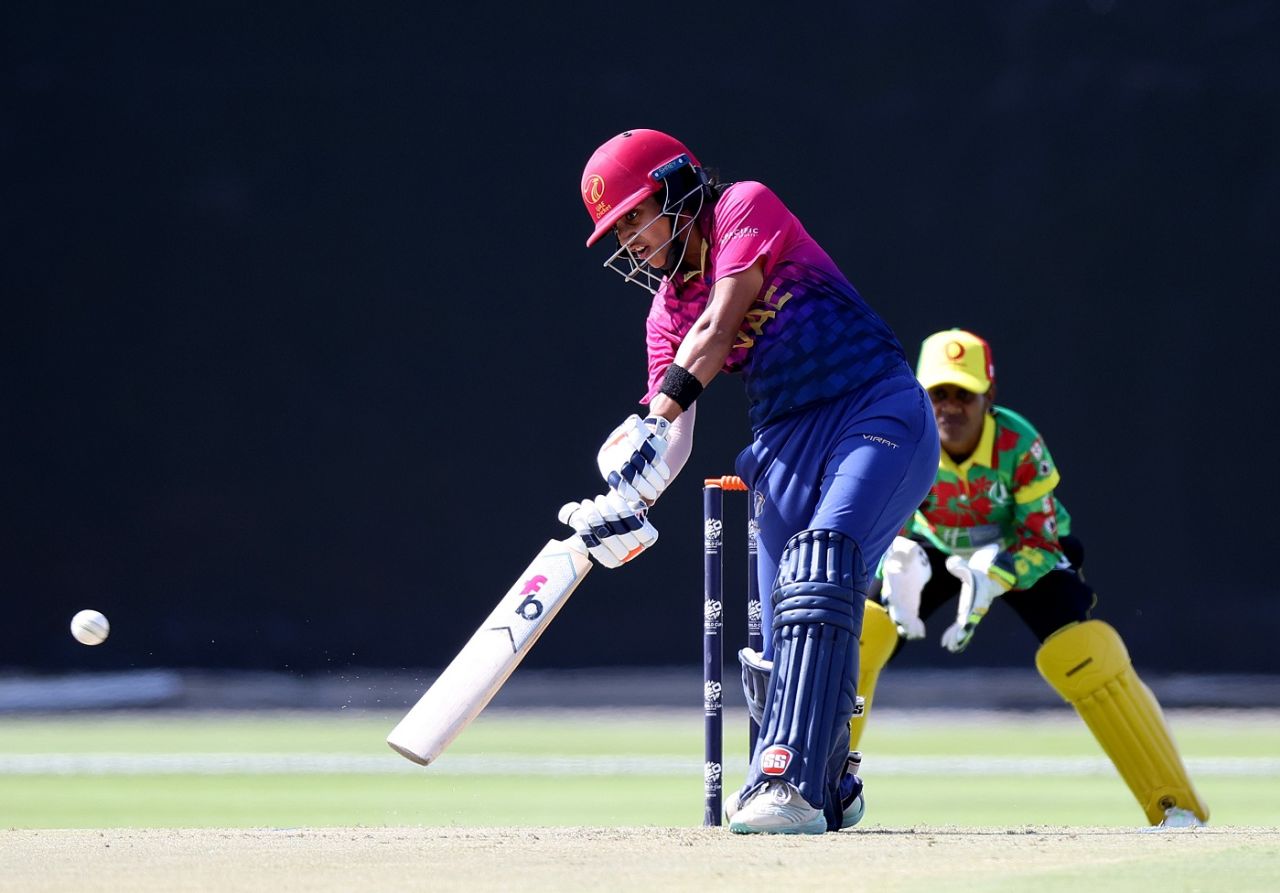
(575, 544)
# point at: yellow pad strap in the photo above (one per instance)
(875, 647)
(1089, 666)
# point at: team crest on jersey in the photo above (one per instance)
(776, 759)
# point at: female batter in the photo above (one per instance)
(844, 445)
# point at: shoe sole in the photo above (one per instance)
(816, 825)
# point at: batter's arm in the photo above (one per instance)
(704, 350)
(680, 441)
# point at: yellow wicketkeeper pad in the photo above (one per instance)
(1089, 666)
(875, 647)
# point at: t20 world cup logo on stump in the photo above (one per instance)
(712, 614)
(712, 532)
(712, 692)
(711, 775)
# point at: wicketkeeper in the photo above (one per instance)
(992, 530)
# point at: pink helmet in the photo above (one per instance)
(625, 171)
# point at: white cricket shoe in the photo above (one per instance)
(731, 806)
(1177, 817)
(853, 804)
(777, 808)
(853, 811)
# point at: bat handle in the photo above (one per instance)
(575, 544)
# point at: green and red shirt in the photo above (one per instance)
(1002, 493)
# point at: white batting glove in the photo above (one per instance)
(977, 592)
(613, 531)
(906, 569)
(633, 459)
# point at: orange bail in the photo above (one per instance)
(726, 482)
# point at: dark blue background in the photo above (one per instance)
(303, 349)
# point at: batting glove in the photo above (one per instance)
(632, 460)
(613, 531)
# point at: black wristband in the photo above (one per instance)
(680, 385)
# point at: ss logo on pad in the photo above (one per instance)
(776, 759)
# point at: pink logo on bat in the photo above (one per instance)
(531, 608)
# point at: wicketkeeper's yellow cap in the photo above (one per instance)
(956, 357)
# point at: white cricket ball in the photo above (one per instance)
(90, 627)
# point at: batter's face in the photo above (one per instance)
(959, 414)
(647, 232)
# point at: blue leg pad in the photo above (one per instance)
(817, 618)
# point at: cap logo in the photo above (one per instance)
(954, 350)
(594, 189)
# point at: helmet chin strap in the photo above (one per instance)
(676, 249)
(678, 245)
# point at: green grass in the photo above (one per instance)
(435, 797)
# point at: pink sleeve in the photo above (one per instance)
(671, 316)
(751, 223)
(662, 353)
(662, 337)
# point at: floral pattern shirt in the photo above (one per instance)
(1002, 493)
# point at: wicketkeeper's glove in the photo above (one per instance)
(978, 589)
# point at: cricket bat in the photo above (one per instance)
(482, 666)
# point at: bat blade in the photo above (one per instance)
(471, 680)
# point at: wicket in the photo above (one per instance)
(713, 634)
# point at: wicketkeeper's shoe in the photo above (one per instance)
(778, 808)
